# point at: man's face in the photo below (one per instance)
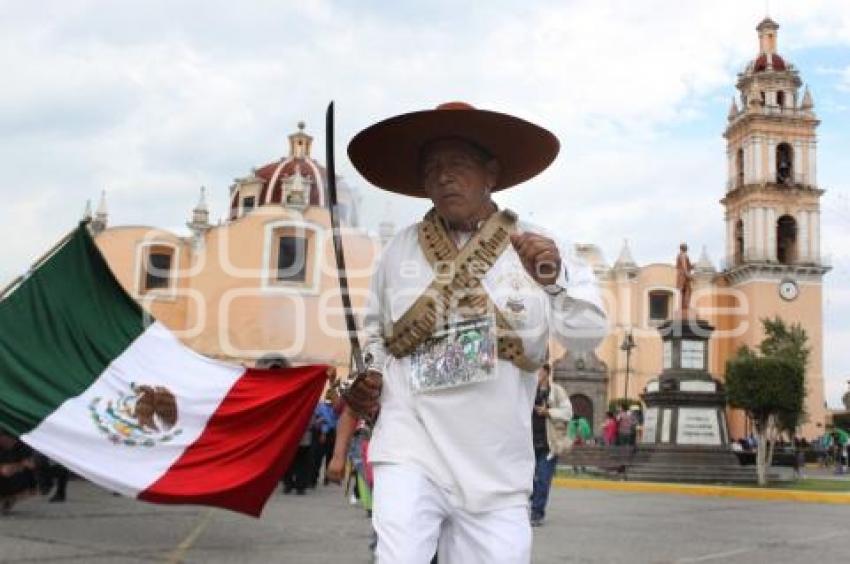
(457, 179)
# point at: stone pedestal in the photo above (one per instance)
(685, 437)
(685, 405)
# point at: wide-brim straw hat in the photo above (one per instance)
(387, 153)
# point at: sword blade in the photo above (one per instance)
(350, 322)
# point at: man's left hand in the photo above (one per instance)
(539, 256)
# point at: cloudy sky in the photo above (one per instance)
(150, 100)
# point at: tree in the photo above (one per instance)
(767, 388)
(789, 343)
(770, 386)
(782, 341)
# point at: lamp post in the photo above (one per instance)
(628, 345)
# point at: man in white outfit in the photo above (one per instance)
(461, 310)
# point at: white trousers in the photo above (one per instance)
(413, 517)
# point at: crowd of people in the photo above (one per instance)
(830, 450)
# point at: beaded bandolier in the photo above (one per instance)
(457, 287)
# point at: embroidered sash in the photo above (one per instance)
(457, 287)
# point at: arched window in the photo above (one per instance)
(786, 239)
(780, 99)
(739, 241)
(784, 163)
(739, 168)
(583, 407)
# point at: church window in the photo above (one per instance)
(739, 242)
(786, 239)
(780, 99)
(659, 305)
(739, 167)
(291, 255)
(248, 204)
(784, 163)
(291, 259)
(157, 268)
(762, 98)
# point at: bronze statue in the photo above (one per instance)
(683, 279)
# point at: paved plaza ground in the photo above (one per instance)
(321, 527)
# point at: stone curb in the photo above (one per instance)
(706, 491)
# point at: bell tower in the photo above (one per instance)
(772, 205)
(772, 196)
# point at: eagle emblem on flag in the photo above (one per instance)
(144, 416)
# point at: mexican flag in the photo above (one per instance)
(90, 380)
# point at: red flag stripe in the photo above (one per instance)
(247, 443)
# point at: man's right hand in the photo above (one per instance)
(335, 469)
(364, 393)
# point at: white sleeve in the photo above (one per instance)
(374, 351)
(578, 318)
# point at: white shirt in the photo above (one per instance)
(474, 441)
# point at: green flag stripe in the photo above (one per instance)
(59, 330)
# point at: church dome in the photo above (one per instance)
(297, 178)
(276, 174)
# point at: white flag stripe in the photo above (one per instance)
(70, 435)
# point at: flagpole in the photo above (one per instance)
(11, 286)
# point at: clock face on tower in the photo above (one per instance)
(788, 289)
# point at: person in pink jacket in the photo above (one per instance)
(609, 429)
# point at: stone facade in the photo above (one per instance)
(585, 378)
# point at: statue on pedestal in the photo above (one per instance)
(684, 279)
